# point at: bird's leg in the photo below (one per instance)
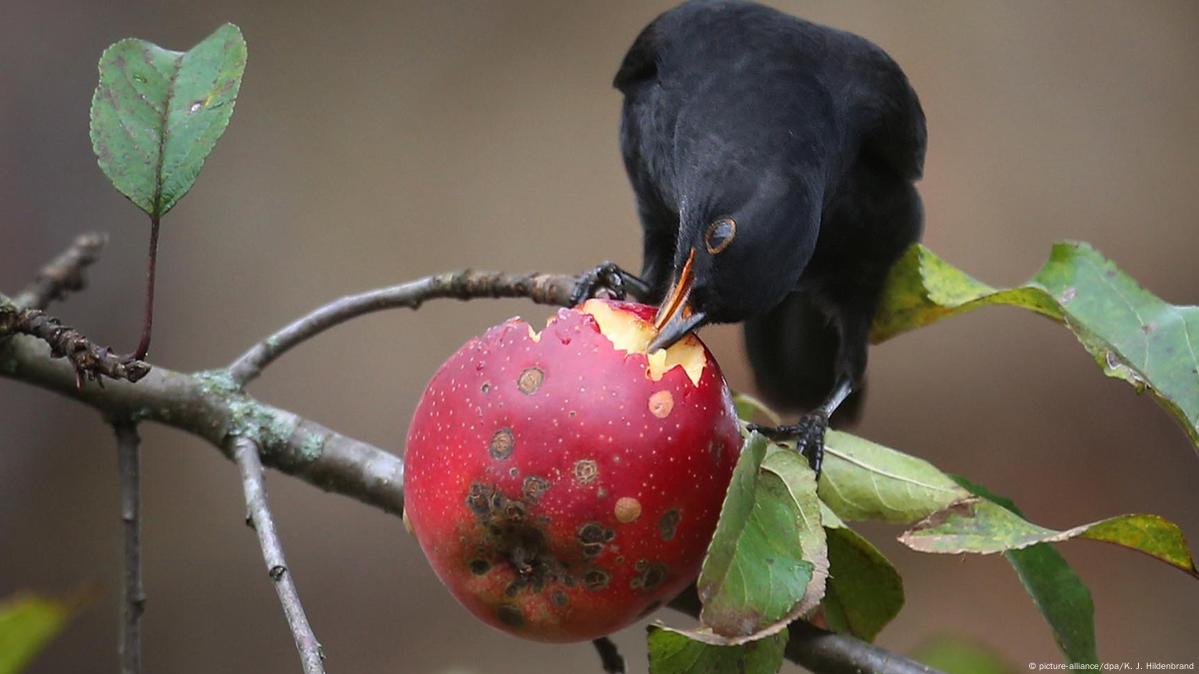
(609, 277)
(808, 434)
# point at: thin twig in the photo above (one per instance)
(610, 658)
(63, 274)
(88, 360)
(245, 453)
(554, 289)
(128, 444)
(128, 452)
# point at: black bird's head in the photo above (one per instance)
(743, 242)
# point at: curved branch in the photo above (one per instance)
(213, 406)
(464, 285)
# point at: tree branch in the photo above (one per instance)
(128, 448)
(208, 405)
(63, 274)
(88, 360)
(213, 406)
(463, 285)
(245, 453)
(832, 653)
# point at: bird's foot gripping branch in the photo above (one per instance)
(784, 575)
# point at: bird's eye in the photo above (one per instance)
(720, 234)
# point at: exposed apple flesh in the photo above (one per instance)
(564, 483)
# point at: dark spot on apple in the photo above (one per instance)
(651, 575)
(593, 536)
(594, 532)
(668, 526)
(513, 536)
(530, 380)
(479, 499)
(596, 580)
(515, 587)
(510, 615)
(534, 487)
(498, 502)
(501, 443)
(513, 471)
(486, 387)
(715, 449)
(586, 470)
(559, 598)
(515, 511)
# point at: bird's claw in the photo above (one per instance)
(808, 435)
(606, 277)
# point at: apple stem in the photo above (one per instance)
(610, 658)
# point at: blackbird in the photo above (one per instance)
(773, 161)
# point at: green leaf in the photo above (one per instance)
(27, 624)
(864, 591)
(955, 656)
(978, 525)
(156, 114)
(1057, 591)
(767, 562)
(672, 652)
(862, 480)
(1132, 334)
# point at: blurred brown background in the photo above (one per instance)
(376, 142)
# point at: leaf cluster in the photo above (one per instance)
(783, 550)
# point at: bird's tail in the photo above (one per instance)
(792, 349)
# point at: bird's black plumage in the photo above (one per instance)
(809, 139)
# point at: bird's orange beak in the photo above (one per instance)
(676, 317)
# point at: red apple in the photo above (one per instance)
(565, 483)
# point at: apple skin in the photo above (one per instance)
(556, 488)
